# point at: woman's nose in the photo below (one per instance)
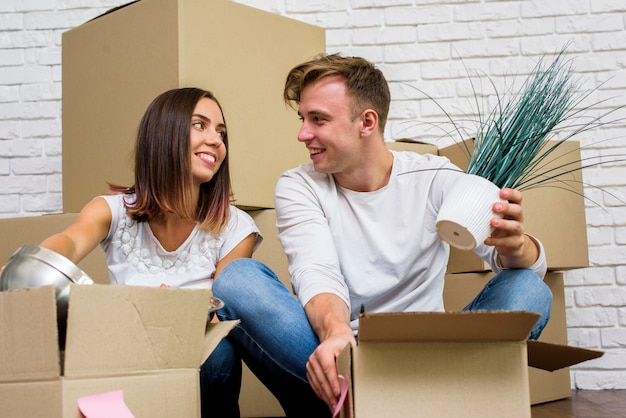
(215, 138)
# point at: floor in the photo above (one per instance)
(585, 404)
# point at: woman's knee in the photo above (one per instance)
(239, 274)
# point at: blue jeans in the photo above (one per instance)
(220, 382)
(516, 290)
(275, 338)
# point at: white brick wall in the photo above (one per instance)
(417, 43)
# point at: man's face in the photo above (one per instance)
(328, 129)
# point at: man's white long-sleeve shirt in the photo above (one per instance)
(379, 250)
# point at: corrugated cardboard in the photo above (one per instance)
(554, 213)
(469, 364)
(144, 341)
(271, 251)
(114, 65)
(411, 145)
(544, 385)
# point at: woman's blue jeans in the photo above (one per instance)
(220, 382)
(275, 338)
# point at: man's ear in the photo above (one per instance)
(369, 122)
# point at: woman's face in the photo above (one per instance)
(207, 140)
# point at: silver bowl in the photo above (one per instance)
(34, 266)
(215, 304)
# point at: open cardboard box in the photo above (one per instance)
(147, 342)
(453, 364)
(545, 386)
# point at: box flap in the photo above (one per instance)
(28, 334)
(412, 141)
(344, 367)
(411, 145)
(214, 333)
(114, 9)
(550, 357)
(446, 326)
(116, 329)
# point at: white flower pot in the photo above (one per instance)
(466, 212)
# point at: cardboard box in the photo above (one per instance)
(114, 65)
(545, 386)
(554, 213)
(146, 342)
(412, 145)
(271, 251)
(469, 364)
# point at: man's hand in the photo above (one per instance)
(330, 318)
(515, 248)
(321, 369)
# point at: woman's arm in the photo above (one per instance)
(80, 238)
(243, 250)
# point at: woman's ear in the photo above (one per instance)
(369, 122)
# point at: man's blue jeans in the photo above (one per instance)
(275, 338)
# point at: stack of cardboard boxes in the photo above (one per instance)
(113, 66)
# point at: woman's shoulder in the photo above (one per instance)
(117, 203)
(239, 215)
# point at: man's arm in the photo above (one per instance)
(330, 318)
(304, 232)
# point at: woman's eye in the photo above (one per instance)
(222, 134)
(198, 125)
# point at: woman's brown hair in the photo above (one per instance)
(163, 177)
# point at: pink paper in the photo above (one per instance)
(343, 397)
(104, 405)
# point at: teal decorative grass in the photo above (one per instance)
(514, 139)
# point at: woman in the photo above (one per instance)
(176, 225)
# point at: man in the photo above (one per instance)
(358, 227)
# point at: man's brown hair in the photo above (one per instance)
(365, 83)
